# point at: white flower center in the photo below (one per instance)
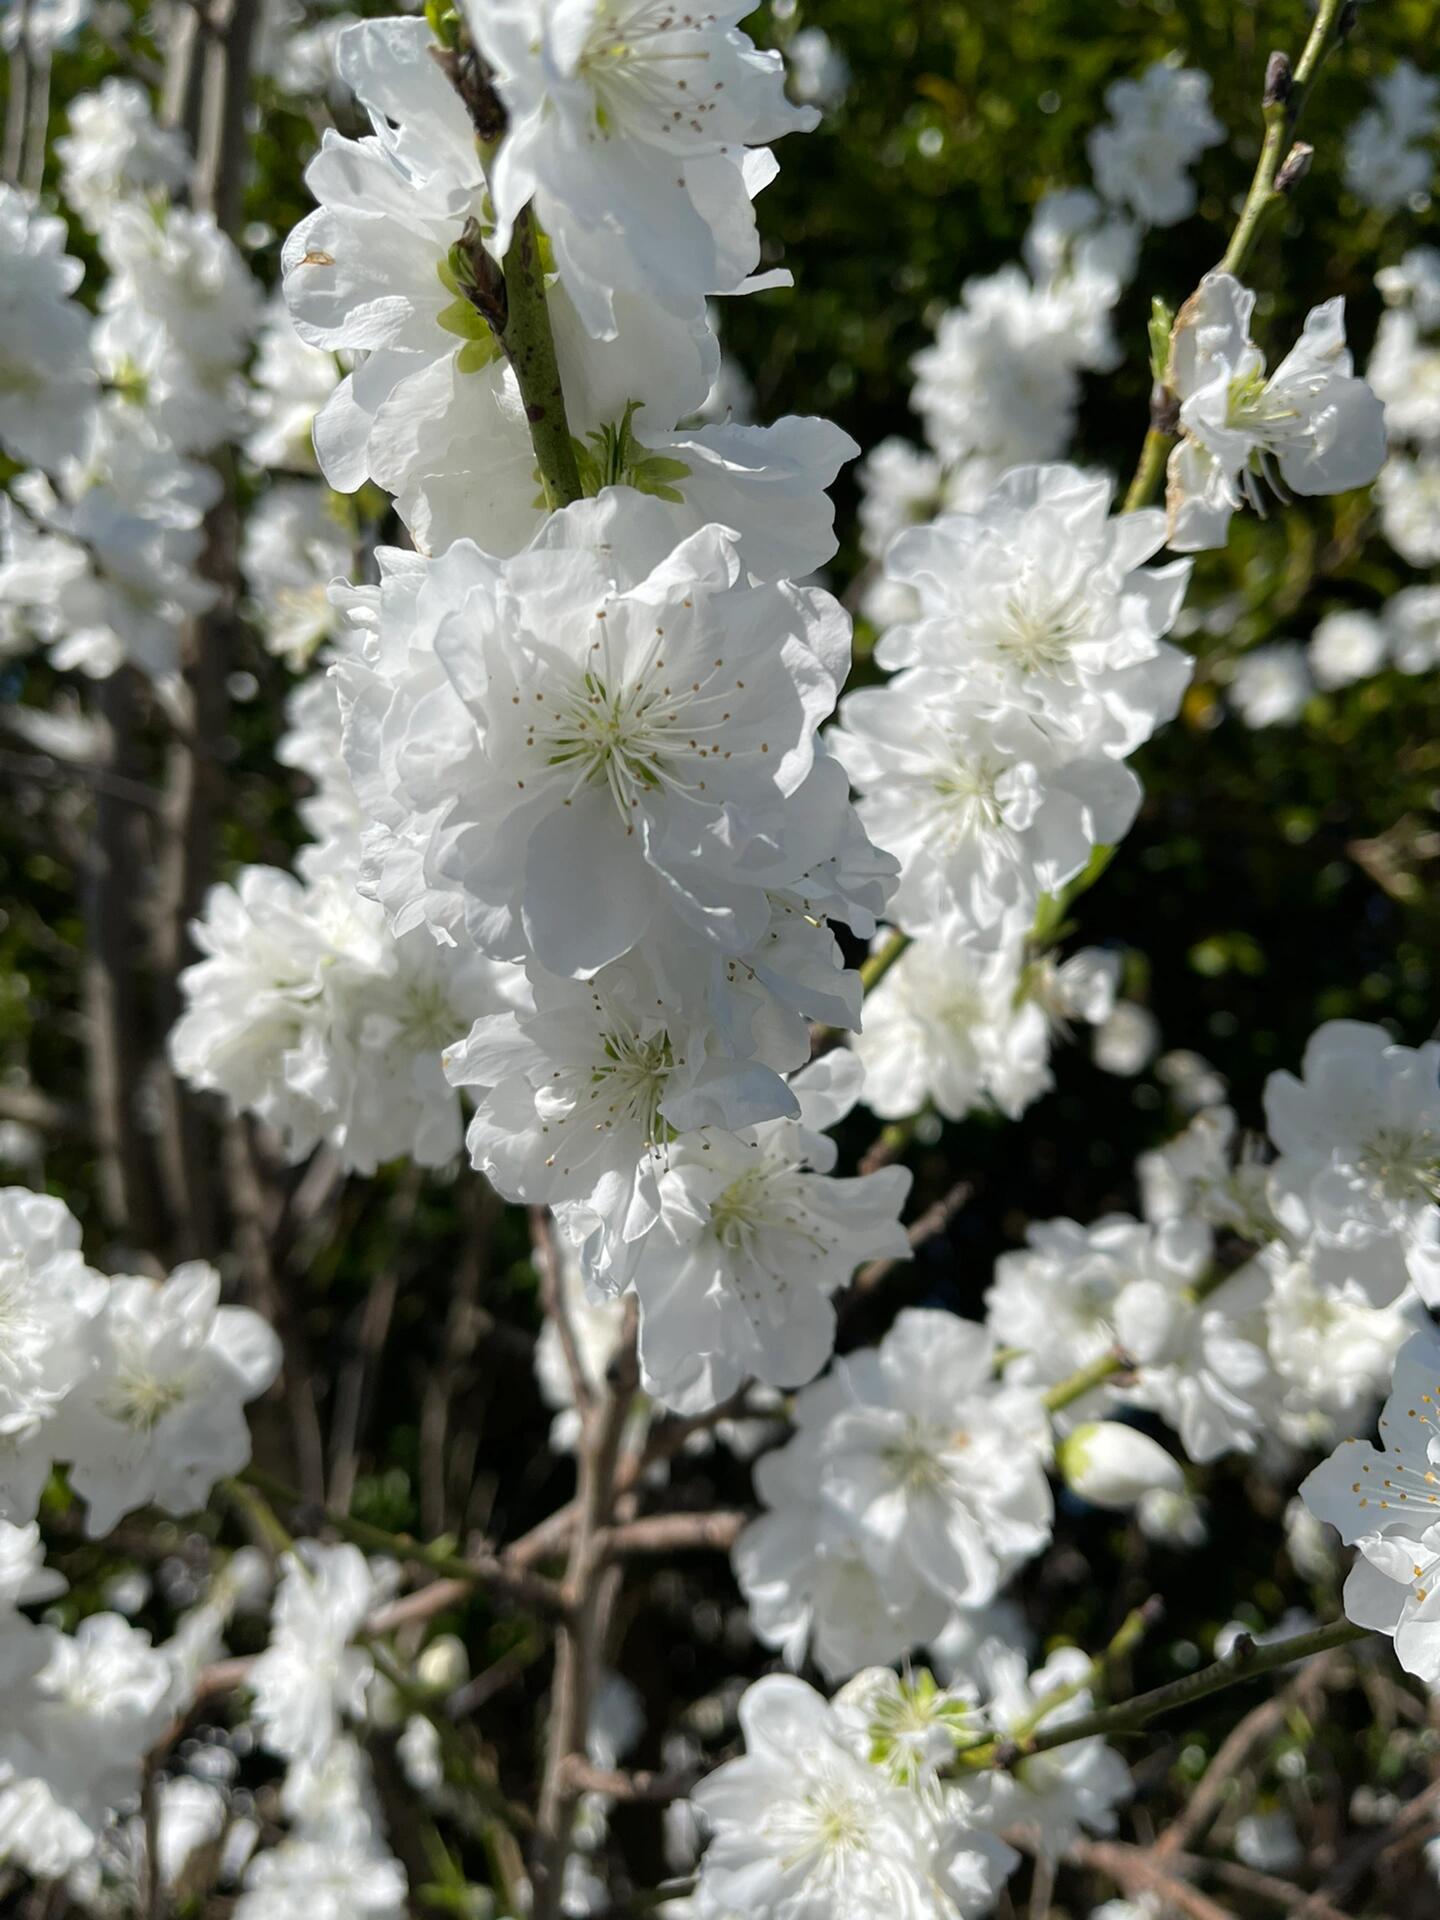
(638, 733)
(1402, 1165)
(1040, 636)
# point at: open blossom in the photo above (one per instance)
(290, 383)
(81, 1717)
(160, 1414)
(307, 1011)
(956, 1029)
(1331, 1347)
(616, 729)
(1383, 1501)
(1358, 1136)
(756, 1234)
(1059, 1299)
(1409, 493)
(115, 150)
(310, 1677)
(578, 1095)
(1049, 1798)
(1311, 422)
(628, 128)
(105, 562)
(1160, 125)
(1347, 646)
(985, 808)
(1271, 684)
(294, 546)
(433, 411)
(1043, 594)
(805, 1827)
(47, 379)
(1387, 156)
(1002, 381)
(927, 1485)
(48, 1301)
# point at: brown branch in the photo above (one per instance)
(638, 1788)
(590, 1590)
(1135, 1870)
(673, 1533)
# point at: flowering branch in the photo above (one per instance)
(525, 1589)
(1244, 1661)
(1279, 167)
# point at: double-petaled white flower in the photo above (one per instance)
(756, 1234)
(594, 744)
(1358, 1175)
(804, 1826)
(629, 124)
(47, 377)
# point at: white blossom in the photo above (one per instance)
(804, 1828)
(115, 150)
(755, 1236)
(1408, 490)
(1347, 646)
(310, 1677)
(294, 546)
(1049, 1797)
(1358, 1136)
(1271, 684)
(1382, 1501)
(1386, 161)
(1160, 125)
(47, 379)
(926, 1481)
(1309, 426)
(628, 129)
(159, 1416)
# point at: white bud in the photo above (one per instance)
(1112, 1465)
(444, 1665)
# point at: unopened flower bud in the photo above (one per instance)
(1279, 79)
(1296, 166)
(444, 1665)
(1112, 1465)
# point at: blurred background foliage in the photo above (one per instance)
(1274, 879)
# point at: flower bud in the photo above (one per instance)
(1279, 79)
(444, 1665)
(1295, 167)
(1112, 1465)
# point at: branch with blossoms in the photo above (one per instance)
(598, 834)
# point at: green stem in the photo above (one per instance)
(529, 346)
(1245, 1661)
(1076, 1385)
(1153, 455)
(1281, 119)
(529, 1589)
(874, 970)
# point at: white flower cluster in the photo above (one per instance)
(1404, 370)
(845, 1806)
(1001, 385)
(102, 540)
(915, 1485)
(992, 766)
(137, 1388)
(1389, 151)
(137, 1385)
(582, 745)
